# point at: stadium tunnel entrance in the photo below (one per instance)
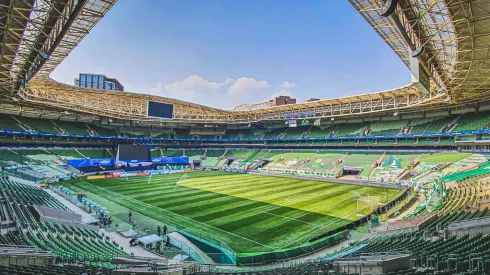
(196, 163)
(260, 163)
(350, 171)
(215, 252)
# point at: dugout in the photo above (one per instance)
(350, 171)
(196, 164)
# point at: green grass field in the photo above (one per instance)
(250, 213)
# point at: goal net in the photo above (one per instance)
(368, 203)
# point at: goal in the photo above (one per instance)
(368, 202)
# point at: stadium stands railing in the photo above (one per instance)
(467, 124)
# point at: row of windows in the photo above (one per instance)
(95, 82)
(95, 85)
(92, 78)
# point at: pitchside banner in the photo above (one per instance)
(171, 160)
(91, 162)
(96, 177)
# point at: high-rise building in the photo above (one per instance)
(98, 81)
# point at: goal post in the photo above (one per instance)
(183, 177)
(370, 202)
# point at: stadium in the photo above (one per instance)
(102, 181)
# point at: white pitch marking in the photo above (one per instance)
(293, 199)
(345, 202)
(177, 182)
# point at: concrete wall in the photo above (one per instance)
(469, 231)
(26, 259)
(394, 231)
(374, 265)
(23, 181)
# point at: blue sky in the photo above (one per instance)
(223, 53)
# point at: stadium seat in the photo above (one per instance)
(8, 123)
(349, 141)
(66, 153)
(95, 153)
(297, 132)
(276, 133)
(181, 133)
(316, 131)
(39, 125)
(53, 269)
(102, 131)
(249, 134)
(232, 134)
(71, 127)
(405, 141)
(385, 141)
(66, 241)
(472, 121)
(387, 127)
(429, 125)
(351, 129)
(426, 140)
(173, 153)
(461, 248)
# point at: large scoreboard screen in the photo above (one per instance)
(129, 152)
(160, 110)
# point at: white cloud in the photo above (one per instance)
(244, 84)
(226, 94)
(190, 88)
(159, 87)
(288, 85)
(193, 83)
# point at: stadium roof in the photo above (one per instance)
(454, 36)
(38, 34)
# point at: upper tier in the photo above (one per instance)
(389, 127)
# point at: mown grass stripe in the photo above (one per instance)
(255, 210)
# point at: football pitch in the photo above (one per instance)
(249, 213)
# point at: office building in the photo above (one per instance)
(99, 82)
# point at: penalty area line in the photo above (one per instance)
(339, 204)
